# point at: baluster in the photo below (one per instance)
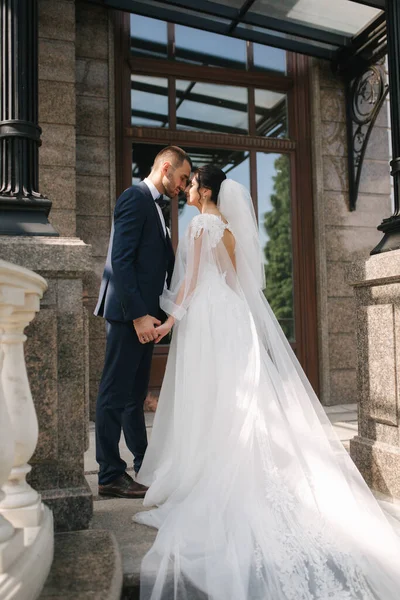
(21, 505)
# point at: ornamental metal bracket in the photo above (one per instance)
(365, 95)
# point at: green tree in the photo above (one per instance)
(278, 249)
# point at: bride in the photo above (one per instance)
(255, 497)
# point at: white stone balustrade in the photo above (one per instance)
(26, 525)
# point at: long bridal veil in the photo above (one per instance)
(256, 497)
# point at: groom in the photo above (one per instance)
(140, 258)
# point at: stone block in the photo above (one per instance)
(377, 362)
(342, 351)
(86, 379)
(59, 144)
(333, 105)
(49, 299)
(378, 463)
(334, 140)
(92, 116)
(71, 431)
(70, 345)
(97, 328)
(58, 184)
(92, 155)
(56, 359)
(92, 77)
(93, 196)
(375, 177)
(95, 231)
(347, 244)
(91, 31)
(70, 296)
(376, 451)
(72, 507)
(86, 565)
(335, 173)
(92, 280)
(47, 256)
(96, 359)
(57, 20)
(382, 119)
(336, 279)
(44, 474)
(57, 60)
(343, 386)
(378, 144)
(376, 270)
(370, 211)
(64, 222)
(341, 315)
(42, 367)
(56, 102)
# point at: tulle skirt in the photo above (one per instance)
(255, 498)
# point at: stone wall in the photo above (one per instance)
(95, 169)
(57, 111)
(342, 236)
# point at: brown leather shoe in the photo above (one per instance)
(123, 487)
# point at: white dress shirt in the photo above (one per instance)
(155, 193)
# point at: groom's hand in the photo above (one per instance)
(145, 328)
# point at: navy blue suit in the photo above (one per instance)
(138, 260)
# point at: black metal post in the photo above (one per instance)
(391, 227)
(23, 210)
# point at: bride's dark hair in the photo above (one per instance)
(210, 177)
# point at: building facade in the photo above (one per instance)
(114, 88)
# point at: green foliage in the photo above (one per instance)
(278, 249)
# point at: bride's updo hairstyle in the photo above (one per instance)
(210, 177)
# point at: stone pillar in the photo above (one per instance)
(23, 210)
(57, 367)
(376, 449)
(342, 236)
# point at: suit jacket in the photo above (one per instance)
(138, 259)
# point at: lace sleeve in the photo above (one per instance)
(212, 223)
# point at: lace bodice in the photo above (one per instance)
(214, 225)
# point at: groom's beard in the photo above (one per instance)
(170, 188)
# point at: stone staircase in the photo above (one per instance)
(103, 563)
(115, 515)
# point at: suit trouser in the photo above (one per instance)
(122, 392)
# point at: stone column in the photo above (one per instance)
(23, 210)
(376, 449)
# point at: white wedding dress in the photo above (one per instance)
(255, 497)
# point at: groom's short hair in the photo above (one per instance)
(175, 155)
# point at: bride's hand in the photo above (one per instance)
(164, 329)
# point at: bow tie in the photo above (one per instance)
(160, 201)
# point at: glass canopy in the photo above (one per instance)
(316, 27)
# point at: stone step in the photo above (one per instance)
(115, 514)
(87, 565)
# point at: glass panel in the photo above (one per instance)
(235, 163)
(274, 217)
(148, 37)
(341, 16)
(269, 59)
(271, 113)
(149, 98)
(211, 107)
(206, 48)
